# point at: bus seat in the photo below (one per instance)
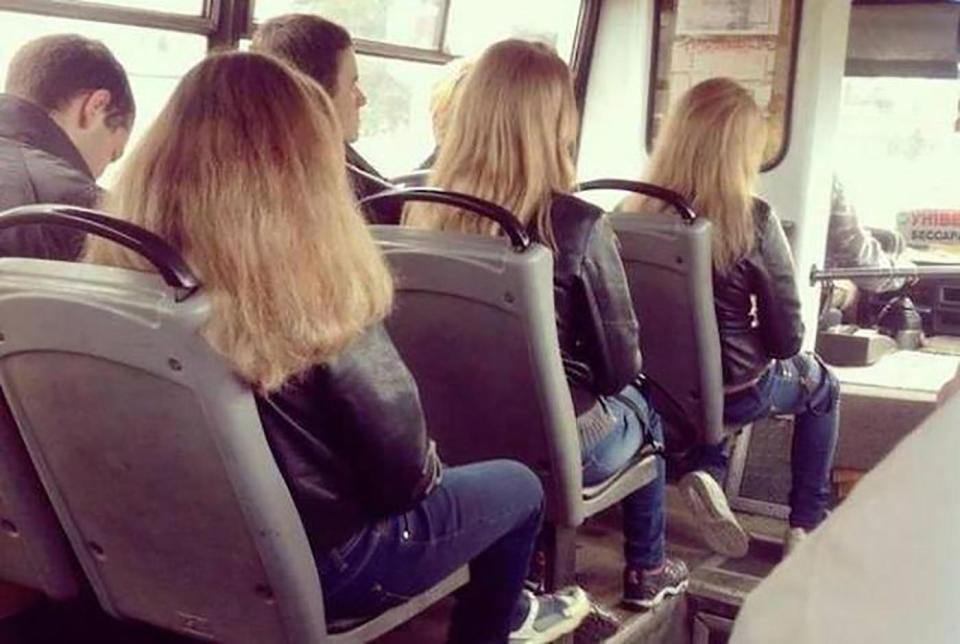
(152, 451)
(671, 283)
(34, 552)
(475, 322)
(669, 271)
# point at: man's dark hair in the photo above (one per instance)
(310, 43)
(53, 70)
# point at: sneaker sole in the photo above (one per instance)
(579, 612)
(720, 529)
(598, 626)
(668, 591)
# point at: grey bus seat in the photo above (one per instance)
(34, 552)
(475, 322)
(152, 451)
(668, 263)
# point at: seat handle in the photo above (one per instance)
(159, 253)
(415, 179)
(670, 197)
(510, 225)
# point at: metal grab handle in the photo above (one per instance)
(942, 271)
(415, 179)
(510, 225)
(372, 178)
(159, 253)
(670, 197)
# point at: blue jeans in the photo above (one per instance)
(804, 387)
(487, 514)
(643, 517)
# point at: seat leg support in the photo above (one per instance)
(559, 545)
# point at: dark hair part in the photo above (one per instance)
(53, 70)
(310, 43)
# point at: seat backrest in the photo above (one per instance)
(153, 455)
(33, 549)
(474, 321)
(669, 271)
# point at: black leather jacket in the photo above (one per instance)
(596, 324)
(350, 440)
(40, 164)
(751, 336)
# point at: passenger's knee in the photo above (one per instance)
(519, 482)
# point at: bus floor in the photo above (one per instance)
(703, 615)
(717, 589)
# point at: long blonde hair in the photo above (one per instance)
(443, 97)
(710, 151)
(243, 173)
(510, 140)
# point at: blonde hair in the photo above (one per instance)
(710, 151)
(243, 173)
(444, 96)
(510, 140)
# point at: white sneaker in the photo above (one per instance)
(792, 540)
(712, 514)
(551, 616)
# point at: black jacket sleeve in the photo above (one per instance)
(616, 357)
(778, 303)
(388, 435)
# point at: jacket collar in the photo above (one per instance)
(27, 123)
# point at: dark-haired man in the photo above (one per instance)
(65, 115)
(324, 51)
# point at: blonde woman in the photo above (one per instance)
(510, 141)
(710, 151)
(243, 172)
(443, 99)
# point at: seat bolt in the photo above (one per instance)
(175, 364)
(508, 297)
(97, 550)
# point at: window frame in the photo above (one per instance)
(203, 24)
(791, 83)
(437, 55)
(226, 22)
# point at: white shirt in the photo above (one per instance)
(885, 567)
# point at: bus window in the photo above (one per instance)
(402, 46)
(753, 43)
(154, 59)
(475, 25)
(396, 132)
(411, 23)
(897, 147)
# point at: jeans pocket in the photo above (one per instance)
(753, 403)
(378, 592)
(343, 567)
(336, 561)
(382, 599)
